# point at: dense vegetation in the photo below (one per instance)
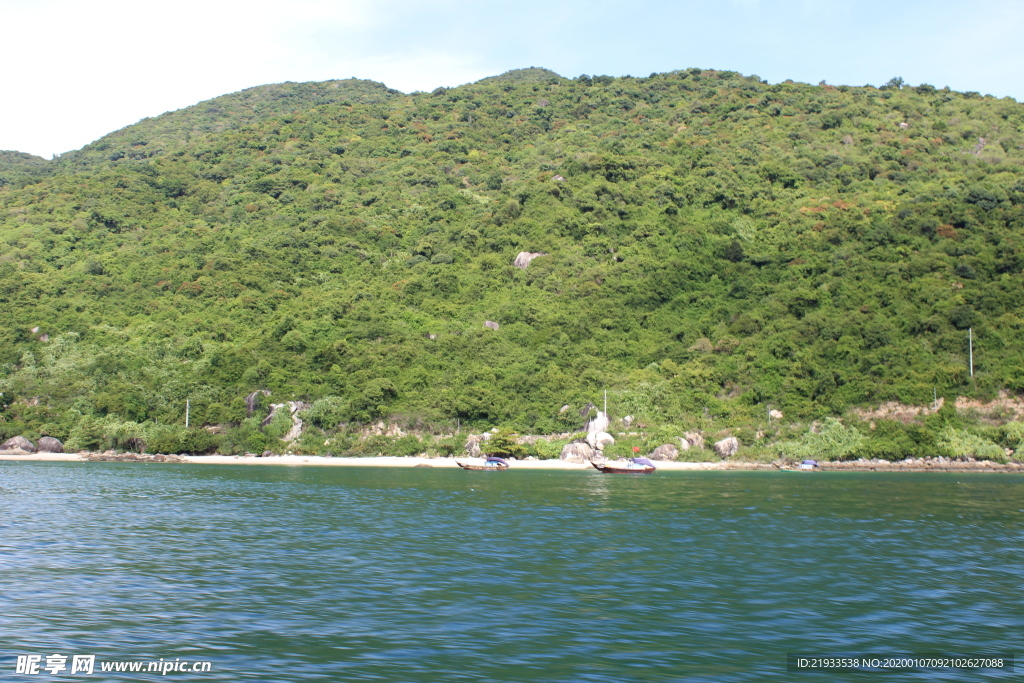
(714, 245)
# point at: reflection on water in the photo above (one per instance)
(301, 574)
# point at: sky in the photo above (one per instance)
(75, 70)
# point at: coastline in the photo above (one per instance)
(450, 463)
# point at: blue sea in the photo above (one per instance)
(286, 573)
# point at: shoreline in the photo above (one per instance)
(450, 463)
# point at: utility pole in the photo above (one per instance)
(970, 347)
(187, 407)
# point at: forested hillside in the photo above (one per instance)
(713, 244)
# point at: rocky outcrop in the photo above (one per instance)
(627, 421)
(490, 324)
(775, 414)
(524, 258)
(473, 446)
(684, 445)
(48, 444)
(381, 428)
(727, 447)
(293, 408)
(696, 439)
(664, 452)
(18, 443)
(598, 424)
(598, 440)
(251, 399)
(577, 452)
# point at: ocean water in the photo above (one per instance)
(394, 575)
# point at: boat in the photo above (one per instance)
(491, 464)
(805, 466)
(634, 466)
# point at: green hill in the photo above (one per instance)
(713, 244)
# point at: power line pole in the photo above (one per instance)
(970, 347)
(187, 407)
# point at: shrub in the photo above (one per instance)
(892, 440)
(623, 446)
(198, 440)
(407, 445)
(503, 445)
(1013, 436)
(327, 412)
(88, 435)
(245, 438)
(446, 446)
(961, 443)
(548, 450)
(279, 424)
(833, 441)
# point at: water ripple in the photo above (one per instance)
(328, 574)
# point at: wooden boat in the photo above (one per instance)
(488, 465)
(805, 466)
(635, 466)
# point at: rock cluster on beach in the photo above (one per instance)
(19, 444)
(592, 447)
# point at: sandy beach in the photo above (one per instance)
(920, 465)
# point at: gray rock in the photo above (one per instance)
(524, 258)
(577, 453)
(684, 445)
(627, 421)
(665, 452)
(775, 414)
(18, 443)
(490, 324)
(696, 439)
(598, 440)
(48, 444)
(250, 401)
(598, 424)
(727, 447)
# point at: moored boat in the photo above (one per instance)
(491, 464)
(633, 466)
